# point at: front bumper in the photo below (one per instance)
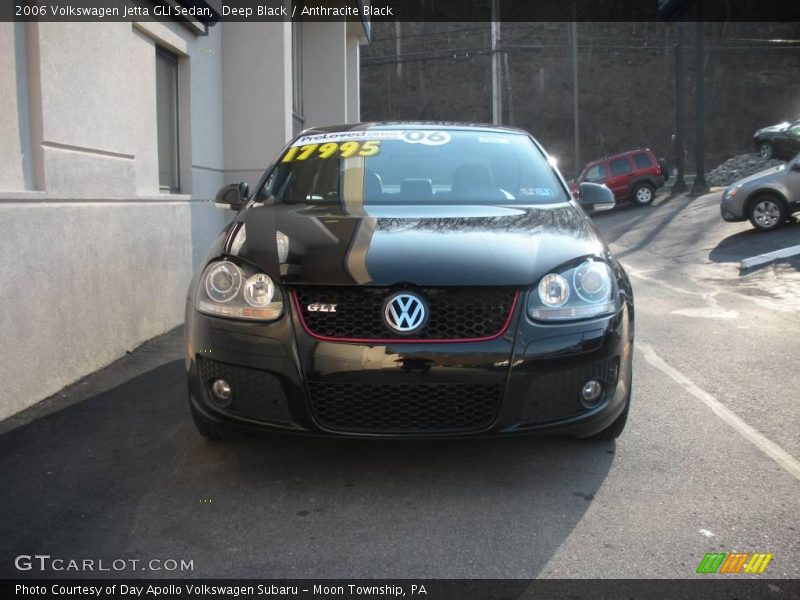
(732, 210)
(526, 381)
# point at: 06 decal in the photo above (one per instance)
(429, 138)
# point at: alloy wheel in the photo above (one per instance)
(767, 214)
(644, 195)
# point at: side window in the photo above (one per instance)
(167, 119)
(264, 194)
(642, 160)
(596, 173)
(620, 166)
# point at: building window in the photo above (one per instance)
(298, 119)
(167, 119)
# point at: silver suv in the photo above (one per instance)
(767, 198)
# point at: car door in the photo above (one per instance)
(597, 173)
(619, 176)
(791, 139)
(782, 141)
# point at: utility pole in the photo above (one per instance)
(699, 187)
(575, 109)
(497, 90)
(509, 90)
(397, 37)
(680, 184)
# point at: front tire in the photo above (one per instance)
(643, 194)
(766, 150)
(767, 213)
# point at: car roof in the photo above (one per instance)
(446, 125)
(618, 155)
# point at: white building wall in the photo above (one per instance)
(257, 71)
(13, 117)
(102, 259)
(94, 280)
(324, 73)
(98, 259)
(86, 131)
(353, 84)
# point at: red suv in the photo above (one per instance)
(633, 175)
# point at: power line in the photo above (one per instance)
(427, 34)
(465, 53)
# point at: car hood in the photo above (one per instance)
(421, 245)
(761, 177)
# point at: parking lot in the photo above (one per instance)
(112, 467)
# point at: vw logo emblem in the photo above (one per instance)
(405, 312)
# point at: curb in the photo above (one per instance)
(762, 259)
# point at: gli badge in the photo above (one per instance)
(318, 307)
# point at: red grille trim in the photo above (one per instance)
(343, 340)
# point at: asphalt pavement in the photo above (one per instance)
(111, 467)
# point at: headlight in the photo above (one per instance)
(731, 192)
(224, 292)
(582, 292)
(223, 281)
(259, 290)
(553, 290)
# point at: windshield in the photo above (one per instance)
(413, 166)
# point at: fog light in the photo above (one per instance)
(221, 390)
(591, 392)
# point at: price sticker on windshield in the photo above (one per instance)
(347, 149)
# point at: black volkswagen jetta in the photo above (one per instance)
(410, 280)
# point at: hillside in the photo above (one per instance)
(626, 82)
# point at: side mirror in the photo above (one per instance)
(596, 196)
(795, 166)
(234, 195)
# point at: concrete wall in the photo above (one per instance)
(352, 69)
(15, 147)
(98, 259)
(324, 73)
(102, 258)
(257, 71)
(95, 279)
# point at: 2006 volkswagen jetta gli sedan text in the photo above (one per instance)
(410, 280)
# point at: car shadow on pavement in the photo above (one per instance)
(123, 475)
(750, 242)
(673, 209)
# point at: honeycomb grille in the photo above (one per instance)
(555, 395)
(401, 408)
(255, 395)
(453, 313)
